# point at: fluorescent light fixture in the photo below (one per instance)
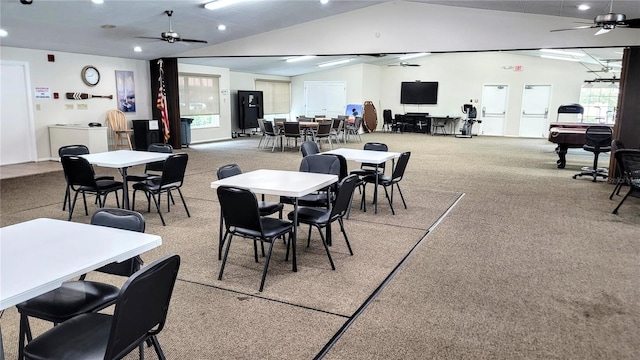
(3, 33)
(137, 49)
(583, 7)
(559, 58)
(413, 56)
(562, 52)
(219, 4)
(333, 63)
(222, 27)
(300, 58)
(324, 2)
(97, 1)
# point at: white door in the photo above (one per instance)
(325, 98)
(534, 120)
(17, 137)
(494, 109)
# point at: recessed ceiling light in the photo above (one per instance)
(324, 1)
(97, 1)
(137, 49)
(332, 63)
(300, 58)
(3, 33)
(219, 4)
(584, 7)
(222, 27)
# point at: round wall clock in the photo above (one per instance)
(90, 75)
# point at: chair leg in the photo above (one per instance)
(184, 203)
(156, 346)
(158, 208)
(266, 265)
(226, 253)
(84, 200)
(389, 200)
(24, 334)
(73, 205)
(345, 235)
(326, 248)
(615, 211)
(220, 237)
(67, 198)
(401, 196)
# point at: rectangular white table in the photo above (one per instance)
(370, 157)
(281, 183)
(37, 256)
(122, 160)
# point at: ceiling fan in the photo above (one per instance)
(606, 68)
(172, 36)
(608, 22)
(404, 64)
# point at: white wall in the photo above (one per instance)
(63, 76)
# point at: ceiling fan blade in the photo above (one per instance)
(412, 65)
(602, 31)
(149, 37)
(192, 40)
(576, 28)
(633, 23)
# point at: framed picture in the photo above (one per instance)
(126, 91)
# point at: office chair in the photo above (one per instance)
(630, 158)
(597, 139)
(620, 172)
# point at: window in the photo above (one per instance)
(200, 99)
(276, 98)
(599, 101)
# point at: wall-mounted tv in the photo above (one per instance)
(419, 92)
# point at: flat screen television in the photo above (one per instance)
(419, 92)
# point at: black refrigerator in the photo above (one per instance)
(250, 109)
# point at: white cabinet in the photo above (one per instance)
(95, 138)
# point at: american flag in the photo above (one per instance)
(161, 102)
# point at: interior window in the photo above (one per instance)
(200, 99)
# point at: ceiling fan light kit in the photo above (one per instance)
(608, 22)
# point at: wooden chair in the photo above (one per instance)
(121, 133)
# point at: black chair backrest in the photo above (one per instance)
(174, 169)
(120, 219)
(142, 306)
(78, 171)
(309, 148)
(161, 148)
(599, 137)
(401, 166)
(268, 128)
(321, 164)
(387, 116)
(73, 150)
(343, 197)
(240, 209)
(335, 123)
(228, 170)
(630, 158)
(291, 128)
(324, 129)
(375, 146)
(617, 145)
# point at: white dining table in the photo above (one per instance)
(369, 157)
(37, 256)
(292, 184)
(123, 160)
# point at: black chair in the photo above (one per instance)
(597, 139)
(76, 150)
(324, 132)
(82, 180)
(337, 127)
(271, 134)
(389, 181)
(620, 173)
(266, 208)
(387, 118)
(242, 218)
(172, 178)
(321, 164)
(292, 131)
(367, 168)
(152, 169)
(309, 148)
(139, 315)
(399, 123)
(73, 298)
(321, 217)
(630, 158)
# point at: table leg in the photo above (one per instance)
(295, 234)
(1, 346)
(375, 191)
(328, 227)
(125, 189)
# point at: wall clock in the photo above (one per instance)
(90, 75)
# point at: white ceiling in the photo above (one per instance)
(75, 26)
